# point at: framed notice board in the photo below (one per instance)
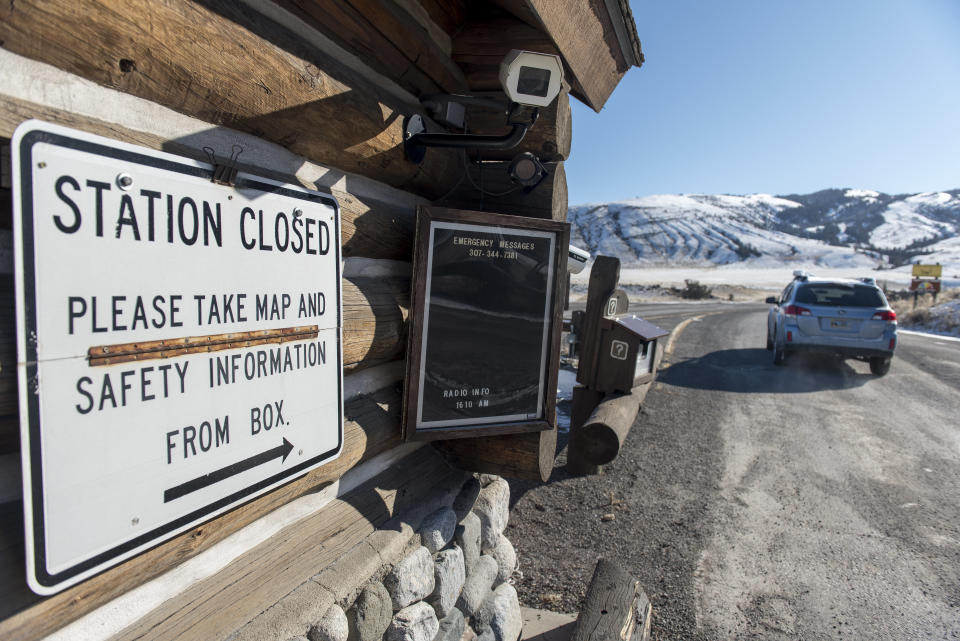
(484, 339)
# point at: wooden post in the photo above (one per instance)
(604, 276)
(584, 401)
(615, 608)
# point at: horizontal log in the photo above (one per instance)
(487, 41)
(614, 609)
(518, 456)
(483, 43)
(587, 40)
(374, 229)
(387, 38)
(601, 437)
(226, 64)
(215, 608)
(371, 225)
(548, 139)
(449, 15)
(375, 314)
(584, 401)
(371, 426)
(501, 195)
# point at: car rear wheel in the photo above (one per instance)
(879, 365)
(769, 341)
(779, 355)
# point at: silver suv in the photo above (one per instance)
(849, 318)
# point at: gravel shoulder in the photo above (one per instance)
(659, 491)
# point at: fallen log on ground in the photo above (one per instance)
(615, 608)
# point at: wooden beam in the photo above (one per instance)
(387, 38)
(548, 139)
(482, 44)
(375, 312)
(371, 426)
(448, 14)
(227, 65)
(215, 608)
(615, 608)
(501, 195)
(586, 38)
(518, 456)
(601, 437)
(520, 10)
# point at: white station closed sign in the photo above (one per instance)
(178, 340)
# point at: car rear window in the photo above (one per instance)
(840, 295)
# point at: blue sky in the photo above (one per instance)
(779, 97)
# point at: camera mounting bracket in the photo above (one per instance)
(417, 139)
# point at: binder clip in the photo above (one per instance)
(224, 173)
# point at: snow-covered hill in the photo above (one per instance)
(835, 228)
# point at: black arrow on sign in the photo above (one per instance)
(206, 480)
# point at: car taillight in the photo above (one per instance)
(789, 337)
(796, 310)
(893, 343)
(886, 315)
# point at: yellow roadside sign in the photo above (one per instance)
(927, 271)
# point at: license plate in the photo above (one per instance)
(838, 324)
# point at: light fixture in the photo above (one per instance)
(527, 170)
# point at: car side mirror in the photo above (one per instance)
(771, 300)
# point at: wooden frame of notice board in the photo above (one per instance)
(483, 344)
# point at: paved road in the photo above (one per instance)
(832, 506)
(812, 501)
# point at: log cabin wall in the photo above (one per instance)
(314, 92)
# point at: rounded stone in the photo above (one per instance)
(493, 509)
(478, 584)
(500, 614)
(467, 497)
(371, 613)
(449, 575)
(468, 538)
(506, 558)
(411, 579)
(452, 627)
(417, 622)
(437, 529)
(332, 626)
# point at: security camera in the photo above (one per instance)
(531, 79)
(577, 259)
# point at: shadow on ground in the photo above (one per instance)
(753, 371)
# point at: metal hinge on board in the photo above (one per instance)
(224, 173)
